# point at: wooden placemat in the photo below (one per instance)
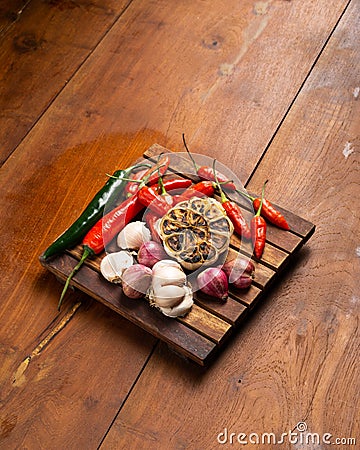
(201, 333)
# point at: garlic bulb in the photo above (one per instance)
(133, 235)
(113, 265)
(169, 291)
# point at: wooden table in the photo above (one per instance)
(269, 88)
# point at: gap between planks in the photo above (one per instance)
(282, 120)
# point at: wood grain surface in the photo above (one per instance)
(269, 88)
(43, 44)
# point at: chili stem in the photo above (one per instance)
(145, 180)
(86, 253)
(245, 194)
(123, 178)
(161, 184)
(188, 151)
(262, 199)
(129, 169)
(222, 195)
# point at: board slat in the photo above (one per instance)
(206, 323)
(201, 333)
(231, 311)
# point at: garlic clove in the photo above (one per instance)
(133, 235)
(113, 265)
(136, 280)
(167, 272)
(168, 296)
(166, 263)
(172, 277)
(182, 308)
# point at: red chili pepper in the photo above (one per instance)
(271, 214)
(169, 185)
(258, 230)
(132, 186)
(149, 197)
(207, 173)
(177, 198)
(201, 189)
(268, 211)
(176, 183)
(151, 218)
(104, 231)
(233, 212)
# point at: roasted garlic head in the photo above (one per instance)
(196, 232)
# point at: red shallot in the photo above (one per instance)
(150, 253)
(213, 281)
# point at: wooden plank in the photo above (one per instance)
(272, 256)
(232, 311)
(307, 334)
(207, 324)
(56, 36)
(9, 13)
(248, 297)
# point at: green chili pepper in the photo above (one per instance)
(91, 214)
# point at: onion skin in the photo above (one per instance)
(150, 253)
(213, 281)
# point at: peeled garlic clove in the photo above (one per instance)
(136, 280)
(133, 235)
(182, 308)
(113, 265)
(168, 296)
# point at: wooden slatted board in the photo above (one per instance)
(201, 333)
